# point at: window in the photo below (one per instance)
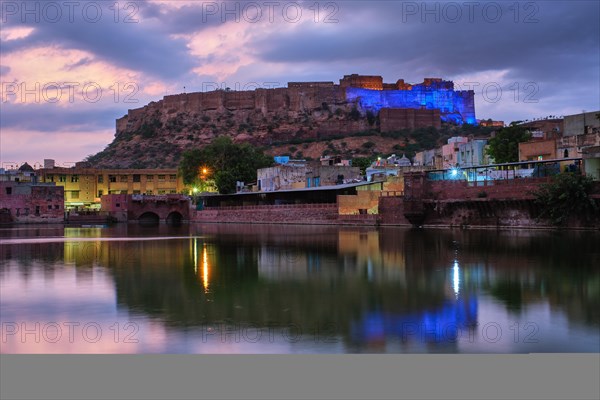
(62, 178)
(118, 205)
(172, 177)
(75, 194)
(149, 178)
(74, 178)
(173, 191)
(161, 178)
(100, 178)
(26, 211)
(137, 178)
(37, 210)
(136, 192)
(100, 193)
(124, 178)
(56, 206)
(8, 190)
(149, 192)
(49, 206)
(50, 178)
(161, 192)
(112, 178)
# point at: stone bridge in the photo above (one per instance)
(172, 209)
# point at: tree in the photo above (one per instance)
(362, 162)
(566, 196)
(223, 161)
(504, 147)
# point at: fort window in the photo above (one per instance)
(74, 178)
(112, 178)
(136, 178)
(100, 178)
(124, 178)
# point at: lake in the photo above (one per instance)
(297, 289)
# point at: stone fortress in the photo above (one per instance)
(397, 106)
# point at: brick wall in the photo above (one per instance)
(299, 214)
(32, 203)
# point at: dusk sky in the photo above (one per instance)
(524, 59)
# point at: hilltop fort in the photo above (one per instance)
(300, 111)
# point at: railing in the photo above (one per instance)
(274, 207)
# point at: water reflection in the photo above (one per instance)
(260, 289)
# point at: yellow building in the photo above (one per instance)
(85, 186)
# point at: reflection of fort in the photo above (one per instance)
(363, 282)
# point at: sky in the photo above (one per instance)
(69, 69)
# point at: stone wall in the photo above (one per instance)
(393, 119)
(273, 214)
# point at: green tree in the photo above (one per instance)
(362, 162)
(567, 195)
(223, 161)
(504, 147)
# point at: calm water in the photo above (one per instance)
(297, 289)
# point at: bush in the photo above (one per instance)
(566, 196)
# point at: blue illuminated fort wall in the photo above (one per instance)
(456, 106)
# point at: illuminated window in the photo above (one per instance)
(62, 178)
(161, 192)
(149, 192)
(161, 178)
(540, 158)
(74, 178)
(172, 177)
(173, 191)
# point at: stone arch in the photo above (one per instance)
(174, 218)
(149, 218)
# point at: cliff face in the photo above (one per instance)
(156, 134)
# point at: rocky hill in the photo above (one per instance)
(307, 119)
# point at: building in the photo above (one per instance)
(537, 150)
(31, 202)
(548, 128)
(591, 162)
(472, 153)
(580, 124)
(84, 187)
(297, 174)
(581, 131)
(25, 173)
(450, 151)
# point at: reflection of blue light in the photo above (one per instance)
(453, 172)
(440, 325)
